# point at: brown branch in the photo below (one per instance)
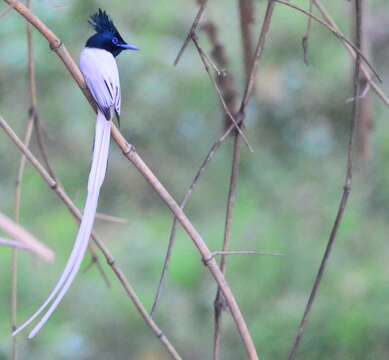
(139, 164)
(305, 39)
(219, 302)
(60, 192)
(346, 188)
(192, 30)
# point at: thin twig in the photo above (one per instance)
(111, 219)
(191, 31)
(346, 188)
(226, 82)
(376, 88)
(42, 146)
(219, 302)
(244, 252)
(18, 190)
(207, 160)
(60, 192)
(5, 11)
(335, 32)
(229, 92)
(130, 153)
(305, 38)
(218, 91)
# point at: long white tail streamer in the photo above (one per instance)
(96, 179)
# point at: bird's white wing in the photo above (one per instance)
(101, 75)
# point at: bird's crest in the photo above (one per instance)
(101, 22)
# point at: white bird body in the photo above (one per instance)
(101, 75)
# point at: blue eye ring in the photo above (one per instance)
(115, 40)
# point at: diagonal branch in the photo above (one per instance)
(130, 153)
(192, 30)
(346, 188)
(335, 32)
(328, 19)
(60, 192)
(207, 160)
(218, 91)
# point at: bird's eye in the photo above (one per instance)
(115, 41)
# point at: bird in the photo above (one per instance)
(100, 71)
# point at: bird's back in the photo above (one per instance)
(102, 78)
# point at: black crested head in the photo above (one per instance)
(107, 37)
(102, 23)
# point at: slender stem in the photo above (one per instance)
(335, 32)
(191, 31)
(346, 189)
(305, 39)
(219, 303)
(204, 166)
(139, 164)
(18, 191)
(219, 92)
(64, 197)
(257, 55)
(329, 20)
(244, 253)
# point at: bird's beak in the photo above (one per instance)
(128, 47)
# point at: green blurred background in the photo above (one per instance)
(288, 192)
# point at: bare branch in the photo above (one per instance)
(335, 32)
(346, 188)
(244, 253)
(219, 93)
(204, 166)
(112, 219)
(305, 39)
(219, 303)
(326, 16)
(192, 30)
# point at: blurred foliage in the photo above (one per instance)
(288, 191)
